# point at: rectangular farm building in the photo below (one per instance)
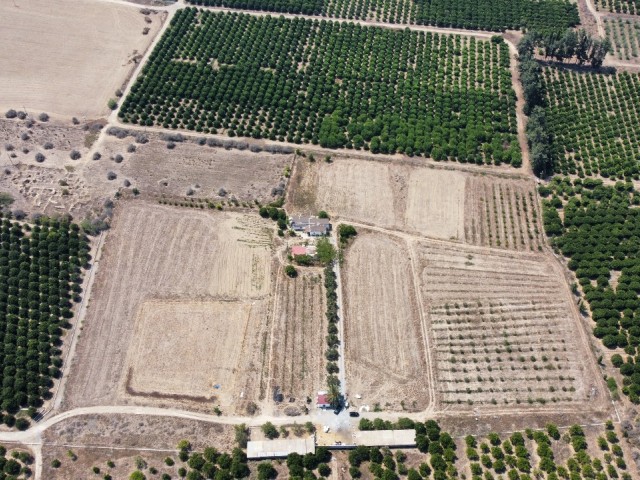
(386, 438)
(280, 448)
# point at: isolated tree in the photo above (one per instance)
(269, 430)
(325, 251)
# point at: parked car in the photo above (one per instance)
(354, 414)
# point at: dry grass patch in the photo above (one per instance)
(182, 262)
(57, 52)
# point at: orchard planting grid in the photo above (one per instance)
(501, 328)
(594, 120)
(599, 233)
(494, 15)
(336, 84)
(625, 37)
(619, 6)
(503, 214)
(40, 278)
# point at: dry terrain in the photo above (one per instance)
(196, 282)
(428, 201)
(298, 362)
(191, 170)
(385, 351)
(500, 325)
(68, 57)
(504, 329)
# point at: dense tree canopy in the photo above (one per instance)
(333, 84)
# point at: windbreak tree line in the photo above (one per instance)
(40, 279)
(334, 84)
(570, 45)
(493, 15)
(600, 235)
(594, 120)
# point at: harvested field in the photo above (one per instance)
(427, 201)
(385, 351)
(190, 169)
(61, 49)
(217, 265)
(504, 329)
(298, 363)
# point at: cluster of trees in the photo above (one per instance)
(594, 122)
(379, 424)
(569, 45)
(332, 355)
(303, 466)
(40, 280)
(600, 234)
(333, 84)
(498, 15)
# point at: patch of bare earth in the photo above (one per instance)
(385, 353)
(298, 362)
(196, 282)
(68, 57)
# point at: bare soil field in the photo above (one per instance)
(68, 57)
(505, 331)
(158, 264)
(298, 362)
(385, 351)
(97, 439)
(441, 203)
(190, 169)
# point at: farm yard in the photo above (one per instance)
(496, 15)
(432, 202)
(503, 328)
(624, 35)
(289, 83)
(594, 120)
(61, 70)
(207, 290)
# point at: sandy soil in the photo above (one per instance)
(297, 357)
(385, 354)
(196, 259)
(441, 203)
(61, 49)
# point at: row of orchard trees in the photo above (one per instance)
(40, 280)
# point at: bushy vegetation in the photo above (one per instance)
(331, 285)
(40, 277)
(335, 84)
(619, 6)
(599, 235)
(594, 120)
(496, 15)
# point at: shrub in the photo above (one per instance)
(47, 145)
(111, 176)
(74, 155)
(22, 115)
(55, 463)
(40, 157)
(137, 475)
(269, 430)
(131, 148)
(290, 271)
(22, 423)
(118, 158)
(97, 156)
(24, 136)
(112, 104)
(11, 113)
(43, 117)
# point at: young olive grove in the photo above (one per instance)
(494, 15)
(594, 120)
(335, 84)
(40, 278)
(619, 6)
(600, 235)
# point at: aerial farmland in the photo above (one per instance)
(320, 239)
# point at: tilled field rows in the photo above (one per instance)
(298, 350)
(502, 214)
(501, 326)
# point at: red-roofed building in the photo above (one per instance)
(298, 250)
(322, 400)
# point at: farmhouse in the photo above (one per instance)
(322, 400)
(314, 226)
